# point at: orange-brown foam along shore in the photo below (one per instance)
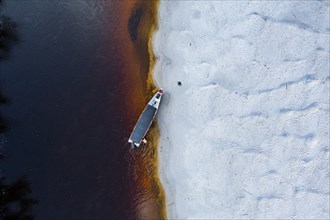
(133, 36)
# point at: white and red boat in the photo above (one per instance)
(143, 124)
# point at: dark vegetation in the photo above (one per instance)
(8, 34)
(16, 201)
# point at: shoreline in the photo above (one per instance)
(150, 201)
(165, 145)
(136, 28)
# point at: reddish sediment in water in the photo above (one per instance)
(133, 37)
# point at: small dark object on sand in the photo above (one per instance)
(179, 83)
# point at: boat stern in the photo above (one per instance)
(133, 144)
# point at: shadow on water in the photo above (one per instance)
(8, 34)
(16, 201)
(133, 23)
(3, 122)
(15, 197)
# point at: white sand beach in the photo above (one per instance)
(246, 135)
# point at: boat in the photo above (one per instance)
(145, 120)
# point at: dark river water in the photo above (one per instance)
(68, 115)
